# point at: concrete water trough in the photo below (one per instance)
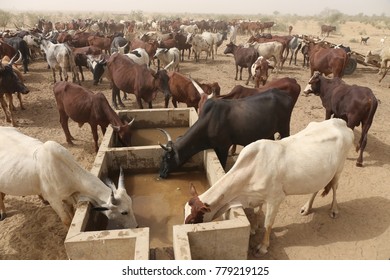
(158, 204)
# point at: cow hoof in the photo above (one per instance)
(2, 216)
(333, 214)
(260, 251)
(359, 164)
(305, 211)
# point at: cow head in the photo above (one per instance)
(119, 207)
(124, 132)
(170, 157)
(9, 81)
(261, 67)
(195, 209)
(314, 84)
(230, 48)
(97, 67)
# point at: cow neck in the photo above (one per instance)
(112, 116)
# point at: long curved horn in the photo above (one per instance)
(121, 180)
(131, 123)
(197, 86)
(12, 61)
(169, 139)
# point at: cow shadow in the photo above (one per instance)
(376, 153)
(360, 219)
(30, 226)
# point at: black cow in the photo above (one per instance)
(223, 123)
(20, 45)
(9, 84)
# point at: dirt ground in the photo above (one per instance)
(32, 230)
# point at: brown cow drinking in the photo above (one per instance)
(84, 106)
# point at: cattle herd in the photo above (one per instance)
(153, 61)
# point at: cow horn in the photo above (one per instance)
(169, 139)
(121, 180)
(113, 199)
(197, 86)
(131, 123)
(12, 61)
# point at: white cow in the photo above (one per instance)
(199, 44)
(169, 57)
(382, 55)
(139, 56)
(271, 50)
(30, 167)
(60, 56)
(267, 171)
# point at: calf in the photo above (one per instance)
(259, 71)
(271, 50)
(379, 55)
(30, 167)
(268, 171)
(243, 57)
(83, 106)
(354, 104)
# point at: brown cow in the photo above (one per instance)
(326, 29)
(327, 60)
(354, 104)
(259, 71)
(84, 106)
(244, 57)
(183, 90)
(131, 77)
(102, 43)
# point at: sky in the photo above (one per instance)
(299, 7)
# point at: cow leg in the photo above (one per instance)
(82, 74)
(54, 74)
(222, 153)
(5, 108)
(249, 75)
(305, 210)
(2, 207)
(10, 106)
(240, 73)
(20, 101)
(272, 210)
(334, 209)
(95, 136)
(10, 102)
(139, 102)
(115, 93)
(63, 213)
(64, 123)
(236, 72)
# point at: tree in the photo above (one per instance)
(5, 18)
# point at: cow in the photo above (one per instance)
(271, 50)
(181, 89)
(200, 43)
(294, 45)
(31, 167)
(268, 171)
(352, 103)
(326, 29)
(379, 55)
(182, 45)
(259, 71)
(130, 77)
(84, 106)
(60, 56)
(118, 42)
(327, 60)
(9, 84)
(6, 60)
(20, 45)
(243, 57)
(98, 66)
(103, 43)
(81, 59)
(223, 123)
(170, 58)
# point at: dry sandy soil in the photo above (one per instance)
(32, 230)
